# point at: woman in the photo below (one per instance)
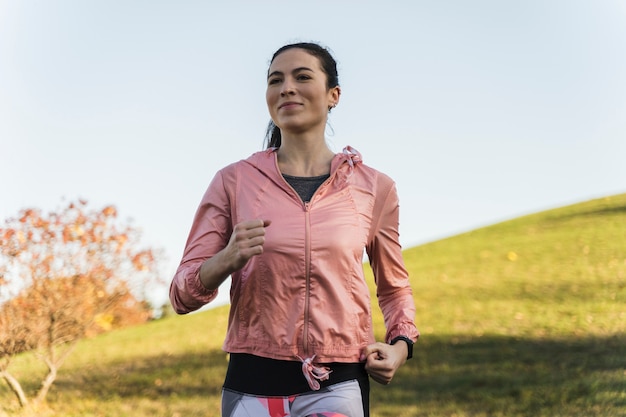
(289, 225)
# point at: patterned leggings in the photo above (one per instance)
(339, 400)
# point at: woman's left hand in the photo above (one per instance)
(383, 360)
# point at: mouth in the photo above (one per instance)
(288, 105)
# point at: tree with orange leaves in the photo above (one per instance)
(65, 276)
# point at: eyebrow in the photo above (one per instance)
(294, 71)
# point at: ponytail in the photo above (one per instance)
(273, 137)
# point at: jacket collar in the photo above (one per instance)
(343, 164)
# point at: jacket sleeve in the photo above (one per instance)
(393, 289)
(210, 231)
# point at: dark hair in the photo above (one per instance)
(273, 137)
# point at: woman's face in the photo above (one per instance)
(297, 96)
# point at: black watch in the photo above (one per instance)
(409, 344)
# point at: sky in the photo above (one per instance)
(481, 111)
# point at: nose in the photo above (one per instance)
(287, 88)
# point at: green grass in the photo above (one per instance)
(522, 318)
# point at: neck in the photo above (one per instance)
(304, 157)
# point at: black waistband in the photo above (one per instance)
(256, 375)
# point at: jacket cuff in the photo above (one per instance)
(410, 332)
(199, 290)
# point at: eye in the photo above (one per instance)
(303, 77)
(272, 81)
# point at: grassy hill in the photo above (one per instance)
(522, 318)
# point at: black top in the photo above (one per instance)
(256, 375)
(306, 186)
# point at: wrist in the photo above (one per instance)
(213, 272)
(407, 341)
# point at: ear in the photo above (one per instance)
(333, 96)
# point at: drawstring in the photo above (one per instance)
(352, 156)
(312, 373)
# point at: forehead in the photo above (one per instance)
(294, 58)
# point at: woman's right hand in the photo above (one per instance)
(245, 242)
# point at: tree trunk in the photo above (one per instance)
(53, 367)
(15, 387)
(45, 385)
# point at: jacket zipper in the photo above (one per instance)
(307, 260)
(307, 263)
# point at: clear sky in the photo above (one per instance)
(481, 111)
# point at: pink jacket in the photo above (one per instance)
(306, 294)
